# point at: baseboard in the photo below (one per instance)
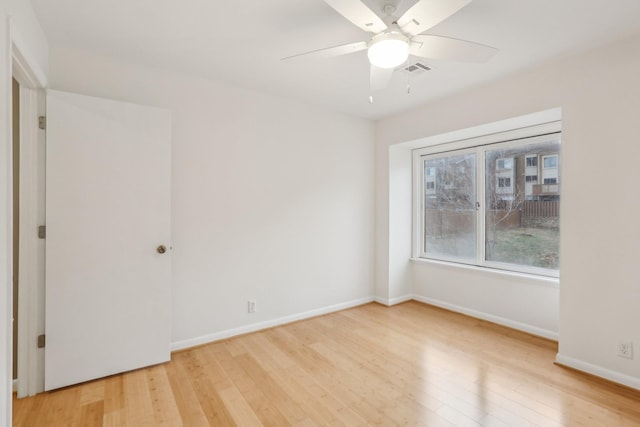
(533, 330)
(598, 371)
(14, 385)
(204, 339)
(393, 301)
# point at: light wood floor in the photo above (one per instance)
(411, 364)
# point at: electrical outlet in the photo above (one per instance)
(625, 349)
(251, 306)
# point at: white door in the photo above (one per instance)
(107, 215)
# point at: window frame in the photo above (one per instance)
(504, 140)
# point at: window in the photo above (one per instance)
(503, 164)
(550, 173)
(550, 162)
(449, 215)
(490, 211)
(504, 182)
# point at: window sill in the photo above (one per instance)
(552, 282)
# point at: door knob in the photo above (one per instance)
(161, 249)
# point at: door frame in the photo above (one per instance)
(32, 204)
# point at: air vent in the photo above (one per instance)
(416, 68)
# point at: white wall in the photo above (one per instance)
(599, 290)
(272, 199)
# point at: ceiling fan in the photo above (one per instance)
(395, 38)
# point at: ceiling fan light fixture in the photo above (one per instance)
(388, 50)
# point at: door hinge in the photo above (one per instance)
(42, 232)
(41, 341)
(42, 122)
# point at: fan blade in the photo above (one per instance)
(380, 77)
(439, 47)
(359, 14)
(329, 52)
(428, 13)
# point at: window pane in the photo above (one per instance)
(450, 211)
(522, 216)
(504, 164)
(551, 162)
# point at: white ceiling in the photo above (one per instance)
(241, 42)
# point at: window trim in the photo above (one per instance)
(537, 133)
